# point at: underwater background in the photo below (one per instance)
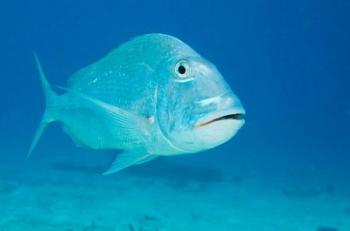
(287, 169)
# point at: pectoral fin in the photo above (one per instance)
(129, 128)
(126, 159)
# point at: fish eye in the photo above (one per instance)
(182, 69)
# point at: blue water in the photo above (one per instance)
(288, 61)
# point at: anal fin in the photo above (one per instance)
(127, 159)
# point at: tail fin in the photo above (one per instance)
(50, 98)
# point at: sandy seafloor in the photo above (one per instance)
(55, 194)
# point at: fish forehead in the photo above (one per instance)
(151, 50)
(128, 76)
(161, 46)
(158, 51)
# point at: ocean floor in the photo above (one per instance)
(71, 196)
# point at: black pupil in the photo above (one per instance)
(181, 70)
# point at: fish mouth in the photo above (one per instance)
(232, 116)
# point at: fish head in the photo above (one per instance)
(197, 110)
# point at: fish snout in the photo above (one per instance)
(219, 108)
(220, 125)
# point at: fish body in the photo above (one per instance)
(152, 96)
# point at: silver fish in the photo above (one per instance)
(152, 96)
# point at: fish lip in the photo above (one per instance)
(238, 116)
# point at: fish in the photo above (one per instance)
(151, 96)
